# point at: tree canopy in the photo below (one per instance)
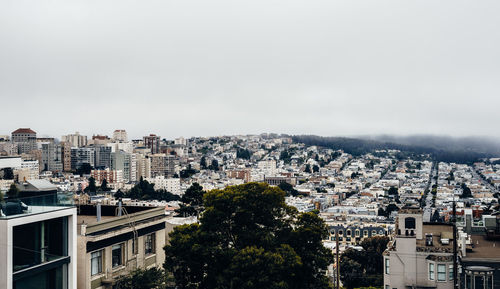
(364, 268)
(249, 238)
(192, 201)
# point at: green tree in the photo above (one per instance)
(91, 188)
(104, 186)
(13, 191)
(315, 168)
(249, 238)
(364, 268)
(307, 169)
(392, 191)
(192, 201)
(203, 163)
(84, 169)
(8, 174)
(152, 278)
(214, 165)
(466, 192)
(288, 189)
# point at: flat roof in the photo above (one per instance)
(483, 249)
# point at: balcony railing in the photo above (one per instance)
(18, 207)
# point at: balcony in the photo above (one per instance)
(25, 206)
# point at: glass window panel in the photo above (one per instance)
(96, 262)
(117, 255)
(431, 271)
(441, 272)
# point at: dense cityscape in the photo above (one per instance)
(100, 211)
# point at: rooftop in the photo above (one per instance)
(483, 249)
(23, 130)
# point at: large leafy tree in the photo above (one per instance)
(152, 278)
(364, 268)
(192, 201)
(145, 190)
(249, 238)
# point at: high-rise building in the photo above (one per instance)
(120, 135)
(76, 140)
(39, 241)
(52, 157)
(80, 156)
(126, 163)
(25, 139)
(152, 142)
(66, 156)
(143, 166)
(103, 156)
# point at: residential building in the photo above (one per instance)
(113, 177)
(38, 243)
(52, 155)
(172, 185)
(421, 254)
(120, 135)
(152, 142)
(103, 156)
(76, 140)
(126, 163)
(80, 156)
(143, 166)
(66, 156)
(25, 139)
(114, 242)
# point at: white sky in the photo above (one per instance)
(210, 67)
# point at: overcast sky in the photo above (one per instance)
(205, 67)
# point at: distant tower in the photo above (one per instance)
(120, 135)
(25, 139)
(152, 142)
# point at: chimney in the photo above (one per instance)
(119, 208)
(98, 211)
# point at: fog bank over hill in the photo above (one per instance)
(479, 144)
(439, 148)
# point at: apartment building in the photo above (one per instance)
(172, 185)
(25, 139)
(75, 140)
(354, 234)
(120, 135)
(113, 242)
(152, 142)
(113, 177)
(126, 163)
(80, 156)
(38, 237)
(421, 254)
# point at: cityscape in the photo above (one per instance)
(87, 211)
(263, 144)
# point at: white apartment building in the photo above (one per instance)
(120, 135)
(268, 167)
(76, 140)
(172, 185)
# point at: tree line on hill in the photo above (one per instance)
(359, 147)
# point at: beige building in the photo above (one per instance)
(116, 245)
(421, 254)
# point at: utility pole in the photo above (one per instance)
(455, 255)
(337, 256)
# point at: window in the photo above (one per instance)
(365, 233)
(149, 246)
(410, 223)
(387, 269)
(348, 232)
(431, 271)
(357, 233)
(374, 233)
(117, 255)
(96, 262)
(441, 272)
(450, 272)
